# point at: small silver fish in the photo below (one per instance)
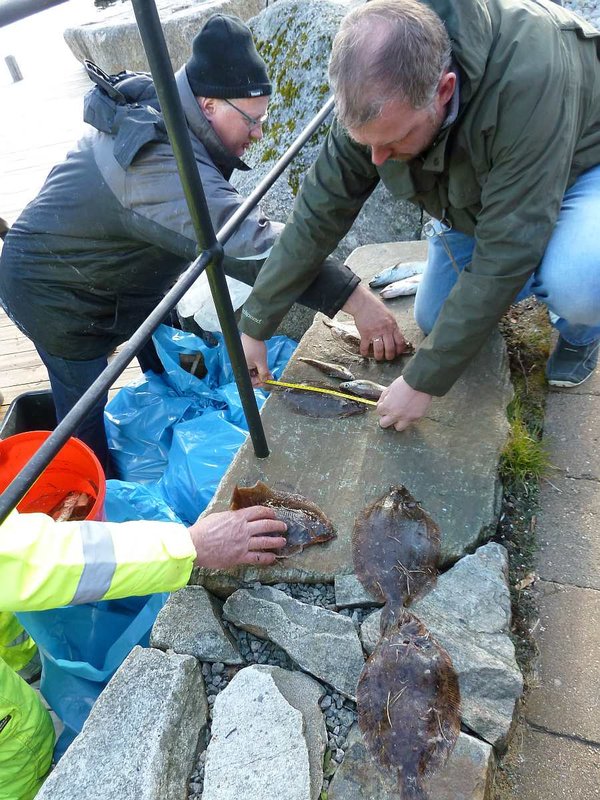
(361, 388)
(397, 273)
(329, 369)
(403, 288)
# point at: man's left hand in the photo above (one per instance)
(400, 404)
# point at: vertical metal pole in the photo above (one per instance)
(162, 73)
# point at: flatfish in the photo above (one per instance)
(329, 369)
(395, 549)
(363, 388)
(324, 406)
(397, 273)
(408, 703)
(307, 524)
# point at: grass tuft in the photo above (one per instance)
(524, 458)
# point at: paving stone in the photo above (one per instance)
(556, 768)
(321, 642)
(568, 532)
(466, 775)
(140, 740)
(565, 697)
(572, 431)
(353, 460)
(468, 613)
(190, 622)
(349, 593)
(267, 728)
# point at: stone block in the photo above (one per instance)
(190, 623)
(141, 738)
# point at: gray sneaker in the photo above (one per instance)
(571, 365)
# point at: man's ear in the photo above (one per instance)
(208, 106)
(446, 87)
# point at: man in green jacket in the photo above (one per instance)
(485, 113)
(45, 564)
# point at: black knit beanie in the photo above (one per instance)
(225, 62)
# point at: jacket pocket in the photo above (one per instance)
(463, 189)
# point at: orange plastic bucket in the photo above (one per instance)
(75, 468)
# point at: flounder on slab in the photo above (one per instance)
(408, 703)
(315, 404)
(306, 523)
(395, 549)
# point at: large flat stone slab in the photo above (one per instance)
(268, 732)
(140, 740)
(565, 697)
(572, 432)
(111, 38)
(448, 461)
(568, 532)
(467, 775)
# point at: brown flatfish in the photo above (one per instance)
(306, 523)
(395, 549)
(315, 404)
(408, 703)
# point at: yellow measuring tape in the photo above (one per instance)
(321, 391)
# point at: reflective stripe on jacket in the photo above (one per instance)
(44, 564)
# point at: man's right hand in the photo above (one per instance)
(376, 324)
(256, 359)
(228, 538)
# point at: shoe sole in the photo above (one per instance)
(568, 384)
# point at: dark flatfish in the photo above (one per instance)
(395, 548)
(315, 404)
(409, 705)
(307, 525)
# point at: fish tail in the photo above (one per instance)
(411, 789)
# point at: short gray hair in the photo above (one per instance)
(387, 50)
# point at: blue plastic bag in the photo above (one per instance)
(81, 647)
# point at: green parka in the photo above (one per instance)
(528, 125)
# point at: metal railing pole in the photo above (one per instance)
(164, 81)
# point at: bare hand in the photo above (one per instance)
(376, 325)
(400, 404)
(227, 538)
(256, 359)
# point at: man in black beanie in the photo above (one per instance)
(110, 231)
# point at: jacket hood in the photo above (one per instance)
(126, 107)
(470, 29)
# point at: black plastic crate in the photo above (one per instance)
(30, 411)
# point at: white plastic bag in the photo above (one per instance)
(197, 302)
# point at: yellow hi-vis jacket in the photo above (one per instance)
(45, 564)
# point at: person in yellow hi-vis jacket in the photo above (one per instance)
(46, 564)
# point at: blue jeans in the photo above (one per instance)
(567, 280)
(69, 380)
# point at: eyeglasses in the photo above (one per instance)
(252, 122)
